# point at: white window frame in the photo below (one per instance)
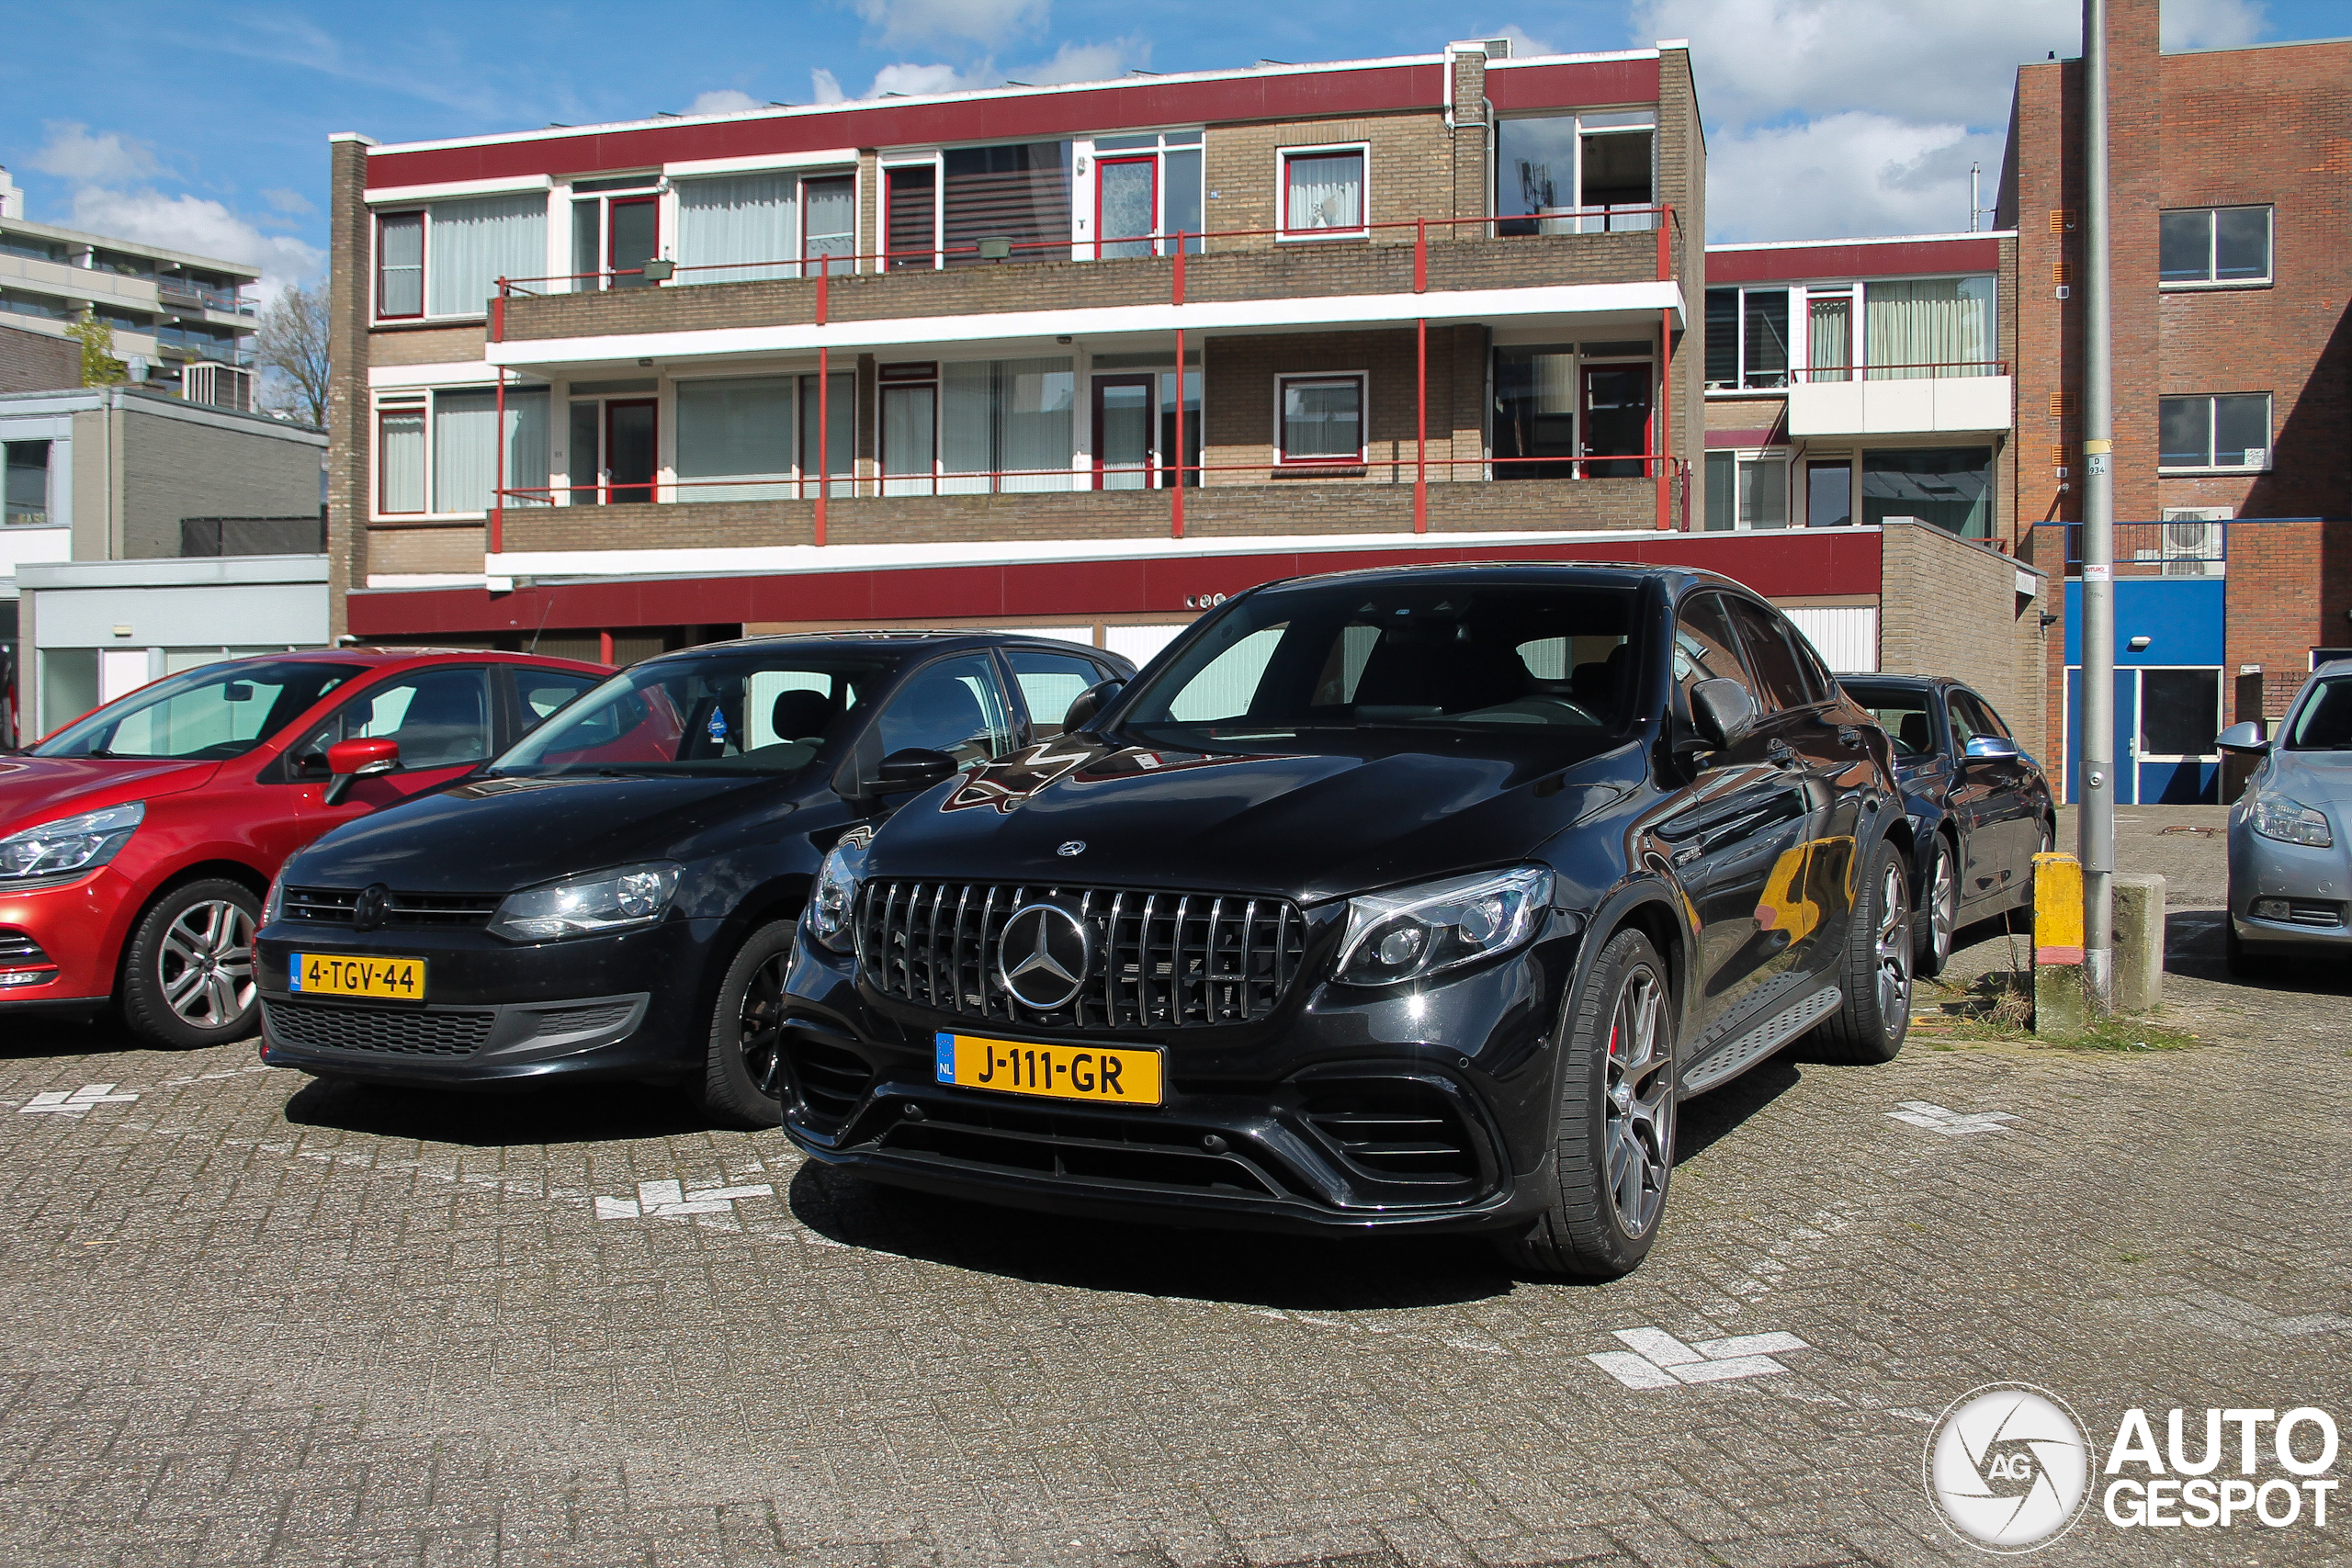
(2269, 453)
(1744, 458)
(2213, 239)
(666, 224)
(1085, 156)
(427, 402)
(1284, 235)
(1796, 292)
(376, 317)
(1283, 459)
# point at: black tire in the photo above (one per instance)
(1938, 913)
(188, 971)
(1874, 970)
(1594, 1227)
(743, 1071)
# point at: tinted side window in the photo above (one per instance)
(1775, 658)
(1706, 648)
(541, 691)
(1980, 714)
(952, 706)
(1967, 721)
(440, 718)
(1049, 683)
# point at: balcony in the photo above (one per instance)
(1960, 398)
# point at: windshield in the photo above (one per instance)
(2324, 723)
(766, 711)
(1903, 714)
(204, 715)
(1503, 659)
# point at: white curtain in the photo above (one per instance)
(738, 430)
(465, 453)
(1929, 326)
(1035, 401)
(1326, 191)
(473, 243)
(403, 460)
(968, 448)
(909, 438)
(745, 218)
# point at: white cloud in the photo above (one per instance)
(986, 22)
(1086, 62)
(915, 80)
(824, 88)
(724, 100)
(72, 153)
(1842, 175)
(2210, 24)
(1923, 60)
(284, 200)
(1524, 44)
(203, 227)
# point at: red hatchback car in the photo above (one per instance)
(136, 843)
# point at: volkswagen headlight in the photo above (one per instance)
(2291, 821)
(273, 903)
(832, 906)
(592, 904)
(1416, 931)
(70, 845)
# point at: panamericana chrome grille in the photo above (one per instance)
(1159, 960)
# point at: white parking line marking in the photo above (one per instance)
(670, 1199)
(78, 1101)
(1950, 1124)
(1658, 1359)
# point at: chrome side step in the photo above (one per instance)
(1762, 1041)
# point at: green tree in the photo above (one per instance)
(100, 366)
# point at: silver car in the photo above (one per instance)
(2290, 832)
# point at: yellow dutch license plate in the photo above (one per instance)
(1104, 1075)
(334, 974)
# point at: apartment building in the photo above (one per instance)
(2229, 201)
(181, 321)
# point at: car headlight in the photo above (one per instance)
(69, 845)
(2291, 821)
(832, 906)
(1416, 931)
(588, 906)
(273, 903)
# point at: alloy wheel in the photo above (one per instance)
(206, 965)
(1637, 1101)
(1943, 908)
(760, 1034)
(1893, 956)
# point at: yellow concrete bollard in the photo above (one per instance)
(2059, 1006)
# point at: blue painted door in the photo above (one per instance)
(2127, 729)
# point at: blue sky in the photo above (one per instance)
(205, 127)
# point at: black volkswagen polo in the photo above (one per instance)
(614, 896)
(1397, 899)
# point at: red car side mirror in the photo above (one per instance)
(349, 760)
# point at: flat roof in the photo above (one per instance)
(134, 247)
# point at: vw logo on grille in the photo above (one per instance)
(367, 910)
(1072, 847)
(1043, 955)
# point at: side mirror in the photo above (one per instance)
(1092, 701)
(2243, 738)
(1990, 749)
(915, 768)
(349, 760)
(1722, 712)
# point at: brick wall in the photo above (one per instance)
(174, 468)
(1948, 606)
(35, 362)
(1299, 507)
(2290, 583)
(1682, 184)
(1238, 398)
(349, 347)
(427, 346)
(443, 547)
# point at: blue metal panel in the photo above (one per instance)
(2182, 617)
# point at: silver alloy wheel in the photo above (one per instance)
(1944, 908)
(1893, 945)
(1637, 1101)
(205, 964)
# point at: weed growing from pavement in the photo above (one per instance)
(1998, 1006)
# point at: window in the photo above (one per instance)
(830, 425)
(615, 230)
(1319, 419)
(2226, 432)
(1323, 193)
(1535, 412)
(910, 429)
(1746, 493)
(1569, 173)
(27, 493)
(1018, 193)
(209, 716)
(1049, 683)
(1771, 650)
(1830, 337)
(1927, 326)
(1968, 719)
(1829, 494)
(541, 691)
(911, 214)
(439, 452)
(440, 719)
(400, 265)
(828, 219)
(739, 227)
(2207, 246)
(399, 459)
(2180, 714)
(1146, 191)
(1948, 487)
(953, 706)
(1005, 424)
(738, 431)
(1705, 647)
(1748, 338)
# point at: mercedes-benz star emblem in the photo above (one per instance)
(367, 910)
(1073, 847)
(1043, 956)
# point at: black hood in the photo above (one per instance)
(1305, 826)
(495, 835)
